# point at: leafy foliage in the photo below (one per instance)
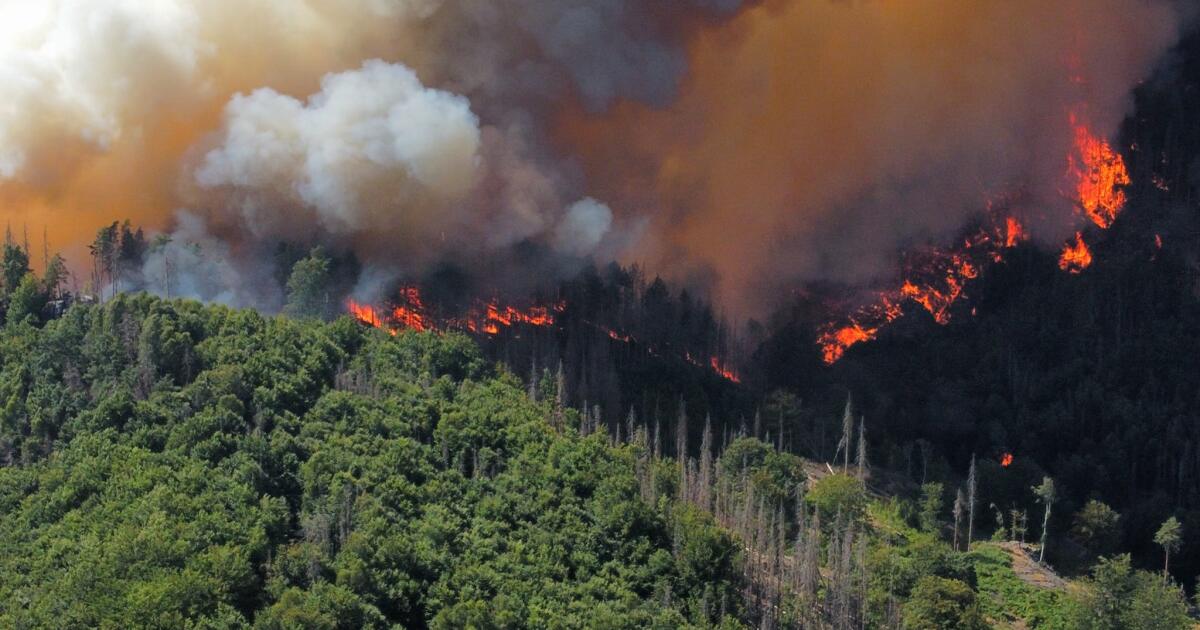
(179, 465)
(942, 604)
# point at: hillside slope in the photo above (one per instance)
(168, 464)
(173, 464)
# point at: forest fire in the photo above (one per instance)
(411, 313)
(938, 277)
(1075, 256)
(491, 319)
(1100, 175)
(364, 314)
(934, 278)
(1006, 460)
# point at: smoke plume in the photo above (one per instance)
(822, 137)
(745, 146)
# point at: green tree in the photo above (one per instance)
(104, 250)
(54, 276)
(1116, 597)
(308, 287)
(838, 495)
(132, 247)
(26, 301)
(16, 266)
(932, 503)
(938, 603)
(1169, 537)
(1095, 526)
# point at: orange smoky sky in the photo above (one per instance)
(106, 102)
(812, 139)
(743, 147)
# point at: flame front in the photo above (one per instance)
(937, 282)
(491, 318)
(1006, 460)
(411, 313)
(1100, 176)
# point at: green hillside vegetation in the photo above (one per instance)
(167, 464)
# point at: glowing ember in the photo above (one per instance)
(1006, 460)
(1075, 256)
(1158, 241)
(616, 336)
(1100, 174)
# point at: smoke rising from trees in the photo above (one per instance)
(744, 146)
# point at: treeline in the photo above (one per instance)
(168, 464)
(623, 341)
(173, 464)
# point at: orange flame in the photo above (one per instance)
(835, 341)
(490, 318)
(1014, 232)
(1075, 256)
(1100, 175)
(936, 281)
(724, 371)
(364, 314)
(411, 313)
(1006, 460)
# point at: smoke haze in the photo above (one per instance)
(745, 147)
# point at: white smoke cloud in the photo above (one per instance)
(133, 108)
(478, 127)
(66, 71)
(586, 223)
(373, 148)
